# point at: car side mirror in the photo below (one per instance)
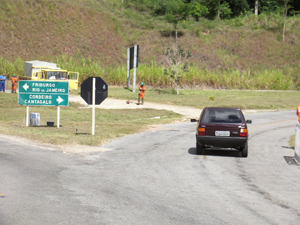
(194, 120)
(249, 121)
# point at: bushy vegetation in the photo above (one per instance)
(243, 51)
(225, 9)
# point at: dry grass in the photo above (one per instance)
(281, 100)
(101, 31)
(292, 141)
(110, 123)
(114, 123)
(45, 29)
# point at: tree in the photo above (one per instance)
(286, 7)
(256, 8)
(176, 13)
(160, 8)
(238, 7)
(224, 10)
(267, 6)
(176, 64)
(198, 10)
(219, 8)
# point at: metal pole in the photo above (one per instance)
(58, 116)
(93, 102)
(128, 68)
(27, 116)
(134, 68)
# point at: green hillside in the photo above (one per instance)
(92, 37)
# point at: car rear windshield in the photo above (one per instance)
(222, 116)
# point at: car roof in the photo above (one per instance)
(222, 108)
(209, 113)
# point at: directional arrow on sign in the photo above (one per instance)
(59, 100)
(25, 86)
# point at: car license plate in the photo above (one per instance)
(222, 133)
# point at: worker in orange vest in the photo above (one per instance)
(142, 90)
(298, 113)
(14, 81)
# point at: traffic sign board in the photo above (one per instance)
(43, 93)
(87, 90)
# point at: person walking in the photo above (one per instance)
(14, 81)
(2, 82)
(142, 90)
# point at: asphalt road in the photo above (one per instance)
(155, 177)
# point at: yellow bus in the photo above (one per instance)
(39, 70)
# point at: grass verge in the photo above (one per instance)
(114, 123)
(110, 123)
(281, 100)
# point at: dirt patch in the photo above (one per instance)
(187, 112)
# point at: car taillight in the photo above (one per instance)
(201, 131)
(243, 132)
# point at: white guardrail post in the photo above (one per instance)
(297, 143)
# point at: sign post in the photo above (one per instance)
(43, 93)
(128, 68)
(132, 63)
(58, 116)
(94, 97)
(94, 92)
(135, 63)
(27, 116)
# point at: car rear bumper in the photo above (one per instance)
(225, 142)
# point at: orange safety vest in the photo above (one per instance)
(14, 83)
(142, 91)
(298, 113)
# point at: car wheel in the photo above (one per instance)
(244, 151)
(199, 148)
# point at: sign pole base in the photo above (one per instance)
(93, 100)
(27, 116)
(58, 116)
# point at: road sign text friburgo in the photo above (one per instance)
(43, 93)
